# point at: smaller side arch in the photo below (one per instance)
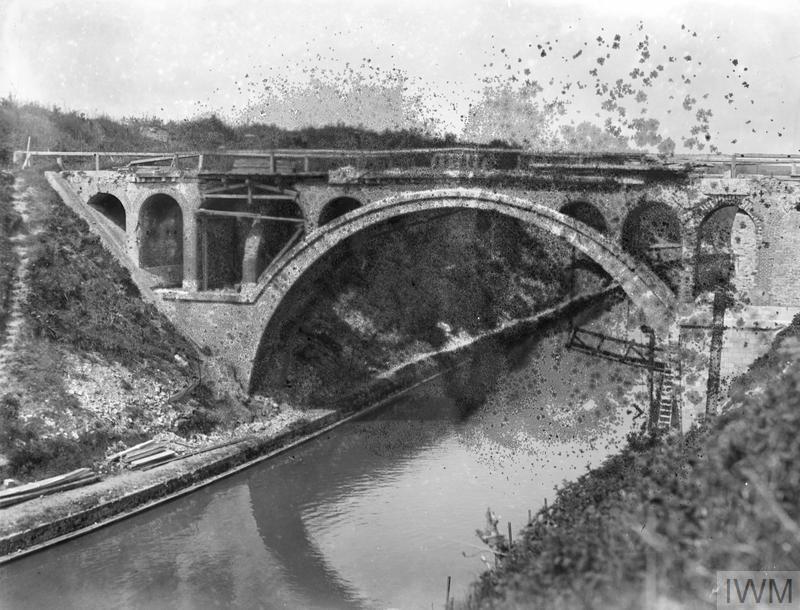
(159, 235)
(110, 207)
(587, 213)
(585, 273)
(652, 234)
(337, 207)
(693, 220)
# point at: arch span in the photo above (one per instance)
(337, 207)
(587, 213)
(160, 238)
(109, 206)
(647, 291)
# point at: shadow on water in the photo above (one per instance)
(375, 513)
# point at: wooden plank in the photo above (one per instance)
(180, 394)
(250, 198)
(223, 189)
(92, 478)
(156, 448)
(231, 214)
(44, 483)
(119, 454)
(289, 244)
(275, 189)
(152, 459)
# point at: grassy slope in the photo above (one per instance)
(9, 221)
(727, 496)
(86, 317)
(82, 297)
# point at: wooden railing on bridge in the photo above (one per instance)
(319, 161)
(625, 351)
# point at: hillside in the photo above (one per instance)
(91, 364)
(654, 523)
(56, 129)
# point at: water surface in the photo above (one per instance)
(376, 514)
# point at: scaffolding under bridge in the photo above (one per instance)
(634, 353)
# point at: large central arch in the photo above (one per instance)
(646, 290)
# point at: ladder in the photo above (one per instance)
(666, 396)
(636, 354)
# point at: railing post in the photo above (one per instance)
(200, 162)
(97, 162)
(305, 164)
(733, 166)
(272, 163)
(27, 161)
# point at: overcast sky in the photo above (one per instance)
(178, 59)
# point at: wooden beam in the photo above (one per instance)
(233, 214)
(274, 189)
(224, 188)
(284, 250)
(250, 198)
(289, 243)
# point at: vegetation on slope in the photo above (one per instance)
(656, 522)
(97, 363)
(56, 129)
(82, 297)
(9, 223)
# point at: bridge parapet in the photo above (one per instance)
(462, 158)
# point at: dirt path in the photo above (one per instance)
(23, 198)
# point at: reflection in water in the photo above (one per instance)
(376, 514)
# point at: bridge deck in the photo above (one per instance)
(427, 161)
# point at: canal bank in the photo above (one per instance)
(375, 513)
(655, 523)
(51, 519)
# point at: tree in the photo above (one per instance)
(513, 115)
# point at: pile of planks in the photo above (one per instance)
(62, 482)
(144, 455)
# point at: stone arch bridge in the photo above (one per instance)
(217, 240)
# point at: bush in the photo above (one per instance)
(716, 499)
(30, 456)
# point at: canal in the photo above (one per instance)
(375, 514)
